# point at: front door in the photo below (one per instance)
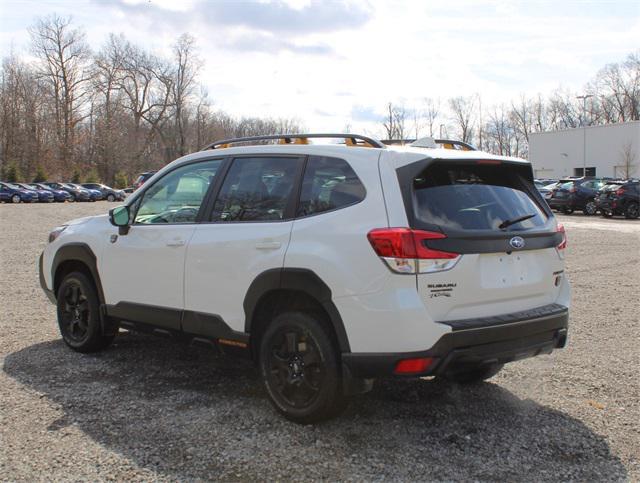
(142, 271)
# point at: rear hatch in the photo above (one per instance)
(500, 236)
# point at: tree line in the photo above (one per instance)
(106, 115)
(612, 96)
(77, 114)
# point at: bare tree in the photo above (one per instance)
(395, 121)
(463, 109)
(183, 82)
(628, 157)
(431, 113)
(63, 65)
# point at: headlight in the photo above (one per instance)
(56, 232)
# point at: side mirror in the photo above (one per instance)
(119, 216)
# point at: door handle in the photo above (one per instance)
(175, 243)
(268, 245)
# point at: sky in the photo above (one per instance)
(333, 64)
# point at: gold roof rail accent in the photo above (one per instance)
(356, 140)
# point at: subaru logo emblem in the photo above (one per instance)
(517, 242)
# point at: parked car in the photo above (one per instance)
(109, 194)
(329, 265)
(94, 195)
(42, 195)
(142, 179)
(572, 194)
(546, 190)
(620, 198)
(58, 195)
(76, 194)
(12, 193)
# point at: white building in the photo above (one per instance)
(612, 150)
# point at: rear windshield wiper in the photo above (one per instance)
(507, 223)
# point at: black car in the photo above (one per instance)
(41, 195)
(572, 194)
(620, 198)
(108, 193)
(77, 194)
(10, 192)
(58, 195)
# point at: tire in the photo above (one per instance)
(566, 210)
(111, 198)
(590, 208)
(16, 199)
(474, 376)
(631, 212)
(607, 214)
(72, 198)
(78, 311)
(300, 368)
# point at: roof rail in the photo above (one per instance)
(445, 143)
(349, 139)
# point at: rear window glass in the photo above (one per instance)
(475, 197)
(566, 186)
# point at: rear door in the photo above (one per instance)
(491, 216)
(247, 233)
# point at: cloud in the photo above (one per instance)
(276, 16)
(269, 43)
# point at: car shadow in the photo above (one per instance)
(187, 413)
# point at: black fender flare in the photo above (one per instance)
(300, 280)
(78, 252)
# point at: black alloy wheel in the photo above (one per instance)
(75, 313)
(590, 208)
(567, 211)
(78, 310)
(632, 212)
(300, 369)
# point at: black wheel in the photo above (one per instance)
(72, 198)
(607, 214)
(111, 198)
(471, 376)
(590, 208)
(631, 212)
(16, 199)
(79, 316)
(566, 210)
(300, 368)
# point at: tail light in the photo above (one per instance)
(620, 191)
(573, 189)
(404, 250)
(563, 244)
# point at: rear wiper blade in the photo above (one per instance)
(507, 223)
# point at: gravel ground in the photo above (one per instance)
(155, 409)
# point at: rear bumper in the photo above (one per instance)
(501, 339)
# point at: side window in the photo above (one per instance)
(256, 189)
(177, 196)
(328, 184)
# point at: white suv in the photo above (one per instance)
(329, 264)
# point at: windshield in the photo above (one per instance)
(476, 197)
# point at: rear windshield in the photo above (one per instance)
(475, 197)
